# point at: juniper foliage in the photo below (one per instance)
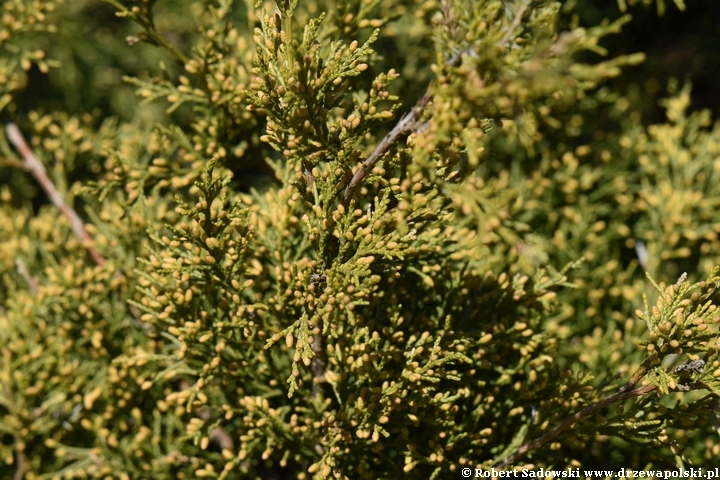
(369, 239)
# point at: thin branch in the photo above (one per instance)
(408, 124)
(149, 27)
(32, 282)
(572, 420)
(637, 376)
(21, 460)
(412, 122)
(318, 361)
(513, 26)
(32, 164)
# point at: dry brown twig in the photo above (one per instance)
(33, 283)
(37, 169)
(513, 26)
(22, 464)
(412, 121)
(624, 393)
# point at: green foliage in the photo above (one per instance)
(321, 257)
(623, 4)
(21, 22)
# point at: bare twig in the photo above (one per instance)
(513, 26)
(318, 361)
(32, 164)
(149, 26)
(33, 282)
(637, 376)
(408, 124)
(412, 121)
(21, 460)
(623, 394)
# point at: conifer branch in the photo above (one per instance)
(32, 282)
(318, 361)
(35, 167)
(409, 123)
(639, 374)
(218, 435)
(573, 419)
(152, 35)
(21, 460)
(513, 26)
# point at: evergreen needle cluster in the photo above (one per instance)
(348, 239)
